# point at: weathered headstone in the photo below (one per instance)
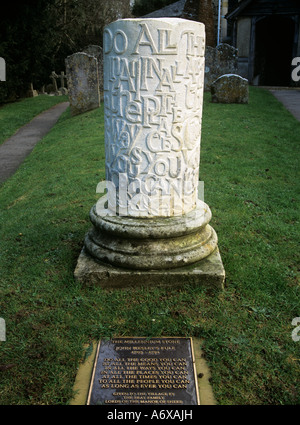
(151, 228)
(31, 92)
(97, 52)
(83, 82)
(230, 88)
(219, 60)
(63, 90)
(53, 77)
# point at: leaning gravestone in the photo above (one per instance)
(31, 92)
(151, 228)
(83, 82)
(230, 88)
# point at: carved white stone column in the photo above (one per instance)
(153, 91)
(151, 218)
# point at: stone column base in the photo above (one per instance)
(208, 272)
(128, 251)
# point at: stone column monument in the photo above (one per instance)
(151, 228)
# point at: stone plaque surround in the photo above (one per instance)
(86, 375)
(151, 228)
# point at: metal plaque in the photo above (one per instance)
(144, 371)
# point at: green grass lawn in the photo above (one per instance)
(16, 114)
(249, 163)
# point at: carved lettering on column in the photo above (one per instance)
(153, 82)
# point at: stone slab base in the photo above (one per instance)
(208, 272)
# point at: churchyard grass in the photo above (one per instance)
(249, 163)
(16, 114)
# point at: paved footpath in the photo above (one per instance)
(15, 149)
(290, 99)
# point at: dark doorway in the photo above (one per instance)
(274, 37)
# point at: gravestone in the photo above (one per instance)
(83, 82)
(31, 92)
(219, 60)
(63, 90)
(230, 88)
(53, 76)
(151, 228)
(97, 52)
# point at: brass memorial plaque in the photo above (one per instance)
(144, 371)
